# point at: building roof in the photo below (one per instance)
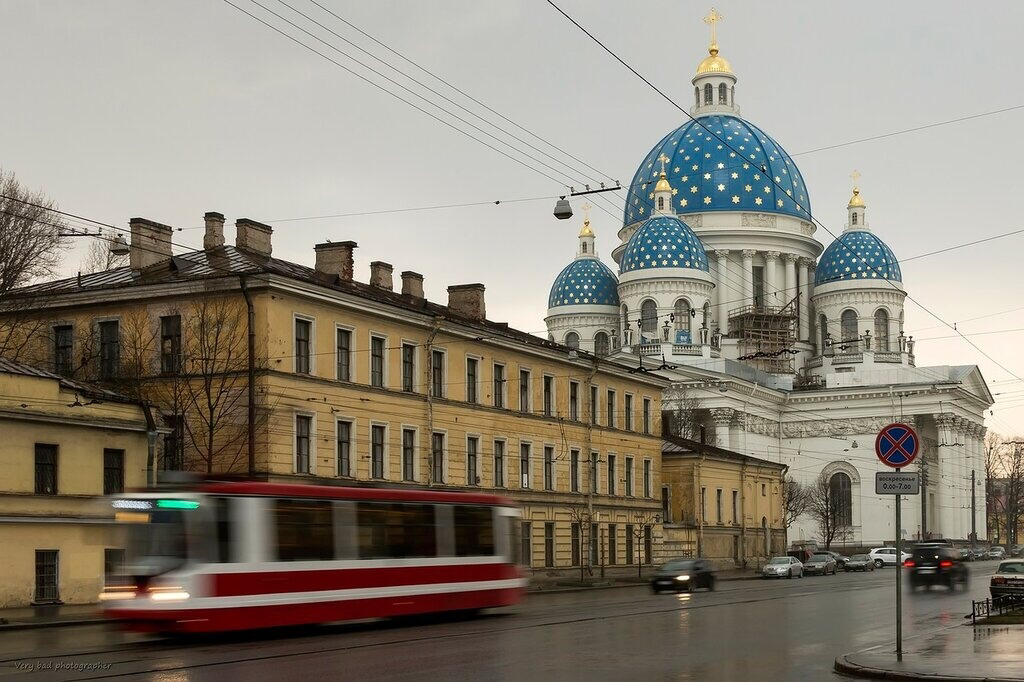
(664, 241)
(86, 390)
(857, 254)
(684, 447)
(585, 281)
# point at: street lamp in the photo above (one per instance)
(118, 245)
(563, 211)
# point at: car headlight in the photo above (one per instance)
(682, 577)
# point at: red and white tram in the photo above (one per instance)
(234, 556)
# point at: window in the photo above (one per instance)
(377, 451)
(574, 401)
(305, 530)
(524, 551)
(524, 390)
(344, 354)
(174, 444)
(757, 272)
(718, 504)
(881, 330)
(474, 530)
(840, 498)
(764, 490)
(601, 344)
(472, 448)
(408, 367)
(63, 347)
(709, 94)
(524, 465)
(46, 469)
(46, 576)
(499, 463)
(344, 438)
(437, 373)
(472, 376)
(629, 476)
(696, 96)
(549, 544)
(823, 333)
(611, 474)
(661, 203)
(629, 543)
(393, 530)
(704, 505)
(113, 471)
(647, 416)
(848, 324)
(592, 531)
(574, 540)
(113, 568)
(628, 411)
(437, 458)
(593, 472)
(593, 405)
(574, 471)
(648, 545)
(613, 544)
(303, 333)
(377, 361)
(408, 454)
(853, 218)
(549, 468)
(723, 94)
(303, 433)
(170, 344)
(649, 318)
(549, 398)
(735, 507)
(110, 349)
(611, 409)
(666, 504)
(499, 385)
(572, 340)
(647, 478)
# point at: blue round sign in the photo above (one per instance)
(897, 445)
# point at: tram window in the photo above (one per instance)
(389, 530)
(474, 531)
(305, 530)
(225, 550)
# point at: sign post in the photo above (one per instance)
(897, 446)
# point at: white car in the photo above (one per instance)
(886, 556)
(1008, 580)
(783, 567)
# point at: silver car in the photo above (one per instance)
(821, 563)
(783, 567)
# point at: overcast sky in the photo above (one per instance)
(167, 110)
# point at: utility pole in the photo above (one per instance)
(974, 514)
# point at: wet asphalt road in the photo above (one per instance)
(745, 630)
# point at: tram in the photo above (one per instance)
(223, 556)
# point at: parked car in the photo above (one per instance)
(840, 558)
(683, 575)
(936, 565)
(979, 554)
(823, 563)
(966, 555)
(801, 555)
(859, 562)
(1008, 580)
(997, 552)
(783, 567)
(1016, 550)
(886, 556)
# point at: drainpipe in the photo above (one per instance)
(151, 436)
(428, 364)
(251, 320)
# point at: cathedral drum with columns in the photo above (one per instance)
(778, 348)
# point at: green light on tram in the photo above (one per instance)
(177, 504)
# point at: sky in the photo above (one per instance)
(167, 110)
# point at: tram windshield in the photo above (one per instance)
(155, 537)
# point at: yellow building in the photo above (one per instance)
(721, 504)
(65, 443)
(357, 382)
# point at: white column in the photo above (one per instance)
(748, 276)
(722, 417)
(981, 500)
(771, 278)
(723, 292)
(945, 501)
(805, 298)
(790, 291)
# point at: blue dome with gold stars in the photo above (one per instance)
(664, 241)
(585, 281)
(857, 254)
(720, 163)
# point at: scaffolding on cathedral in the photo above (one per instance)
(765, 336)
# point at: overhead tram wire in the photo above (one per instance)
(778, 184)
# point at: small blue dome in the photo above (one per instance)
(857, 254)
(706, 175)
(585, 281)
(664, 241)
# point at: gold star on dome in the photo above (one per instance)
(682, 202)
(707, 200)
(757, 200)
(735, 199)
(674, 191)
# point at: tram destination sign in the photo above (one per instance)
(897, 483)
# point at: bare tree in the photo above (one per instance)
(99, 257)
(642, 523)
(31, 235)
(795, 501)
(827, 511)
(1004, 480)
(580, 514)
(682, 417)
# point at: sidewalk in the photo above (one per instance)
(993, 653)
(50, 615)
(541, 585)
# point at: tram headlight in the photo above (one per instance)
(169, 593)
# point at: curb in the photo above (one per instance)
(30, 625)
(615, 585)
(845, 666)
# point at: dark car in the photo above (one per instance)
(684, 575)
(936, 565)
(859, 562)
(840, 558)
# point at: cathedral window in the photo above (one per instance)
(584, 247)
(601, 344)
(848, 325)
(649, 317)
(723, 94)
(696, 96)
(853, 218)
(709, 94)
(841, 499)
(682, 313)
(707, 313)
(822, 333)
(572, 339)
(661, 203)
(881, 330)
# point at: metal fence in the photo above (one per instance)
(997, 606)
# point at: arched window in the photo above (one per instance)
(707, 313)
(822, 333)
(649, 317)
(723, 94)
(625, 318)
(551, 338)
(572, 339)
(841, 499)
(881, 330)
(682, 313)
(601, 343)
(661, 203)
(584, 247)
(901, 322)
(732, 95)
(696, 96)
(853, 218)
(848, 325)
(709, 94)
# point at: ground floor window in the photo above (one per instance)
(113, 567)
(525, 550)
(575, 540)
(549, 544)
(648, 549)
(629, 543)
(46, 575)
(612, 544)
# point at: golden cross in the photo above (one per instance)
(664, 159)
(856, 178)
(586, 211)
(712, 21)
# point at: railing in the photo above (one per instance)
(996, 606)
(847, 358)
(649, 349)
(685, 349)
(888, 356)
(813, 362)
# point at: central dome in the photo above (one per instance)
(720, 163)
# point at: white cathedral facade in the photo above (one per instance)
(778, 347)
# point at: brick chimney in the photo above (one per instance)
(380, 275)
(335, 258)
(253, 236)
(412, 284)
(151, 243)
(467, 300)
(214, 237)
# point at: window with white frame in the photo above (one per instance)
(343, 354)
(377, 436)
(499, 464)
(611, 408)
(593, 405)
(408, 454)
(647, 478)
(472, 453)
(611, 474)
(549, 395)
(524, 465)
(524, 390)
(647, 416)
(344, 440)
(437, 373)
(303, 345)
(499, 385)
(628, 412)
(472, 379)
(574, 400)
(629, 476)
(574, 471)
(377, 364)
(303, 443)
(549, 467)
(408, 367)
(437, 458)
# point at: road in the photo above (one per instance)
(745, 630)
